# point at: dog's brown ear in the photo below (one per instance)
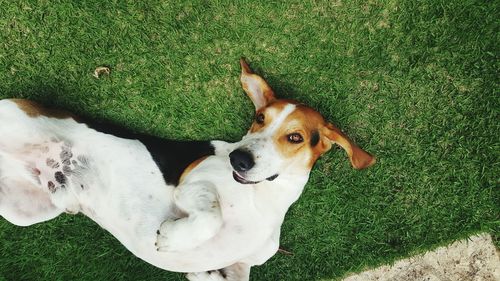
(360, 159)
(256, 88)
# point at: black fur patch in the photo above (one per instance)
(172, 157)
(51, 186)
(314, 138)
(60, 177)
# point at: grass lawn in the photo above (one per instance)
(414, 82)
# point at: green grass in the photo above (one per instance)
(414, 82)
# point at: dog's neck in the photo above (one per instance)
(281, 193)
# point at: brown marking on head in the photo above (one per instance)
(299, 135)
(190, 168)
(304, 135)
(265, 115)
(33, 109)
(306, 122)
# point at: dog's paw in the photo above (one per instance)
(187, 233)
(175, 236)
(163, 236)
(213, 275)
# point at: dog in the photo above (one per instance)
(211, 209)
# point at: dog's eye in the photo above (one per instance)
(259, 118)
(295, 138)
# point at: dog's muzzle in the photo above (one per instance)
(242, 161)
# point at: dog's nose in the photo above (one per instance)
(241, 160)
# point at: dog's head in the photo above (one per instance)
(286, 137)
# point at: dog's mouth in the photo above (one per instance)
(242, 180)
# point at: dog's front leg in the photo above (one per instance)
(200, 202)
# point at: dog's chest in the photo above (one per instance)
(241, 211)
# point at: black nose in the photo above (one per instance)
(241, 160)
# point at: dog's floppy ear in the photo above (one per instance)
(256, 88)
(360, 159)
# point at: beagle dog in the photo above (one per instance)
(211, 209)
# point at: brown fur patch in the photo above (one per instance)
(33, 109)
(270, 112)
(305, 121)
(190, 168)
(310, 124)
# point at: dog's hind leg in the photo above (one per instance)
(235, 272)
(22, 202)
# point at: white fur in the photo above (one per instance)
(118, 185)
